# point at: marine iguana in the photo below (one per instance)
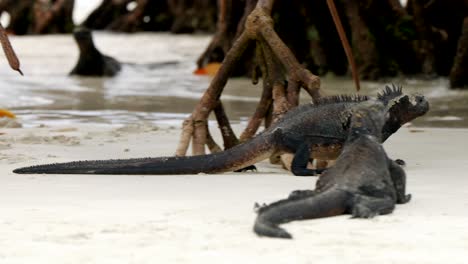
(364, 182)
(92, 62)
(310, 131)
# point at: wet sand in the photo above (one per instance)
(208, 218)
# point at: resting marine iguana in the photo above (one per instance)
(309, 131)
(92, 62)
(363, 182)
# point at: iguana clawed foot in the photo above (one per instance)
(369, 206)
(248, 168)
(400, 162)
(406, 199)
(361, 211)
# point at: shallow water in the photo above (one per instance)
(143, 92)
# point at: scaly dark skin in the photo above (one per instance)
(308, 131)
(364, 182)
(92, 62)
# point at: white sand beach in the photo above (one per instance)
(208, 218)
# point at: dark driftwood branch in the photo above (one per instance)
(229, 137)
(293, 93)
(282, 75)
(210, 142)
(209, 101)
(185, 137)
(266, 6)
(296, 72)
(9, 51)
(266, 98)
(220, 39)
(276, 78)
(131, 21)
(344, 41)
(260, 113)
(459, 72)
(282, 78)
(59, 14)
(226, 32)
(274, 58)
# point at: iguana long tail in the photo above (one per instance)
(238, 157)
(329, 203)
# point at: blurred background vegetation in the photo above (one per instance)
(423, 38)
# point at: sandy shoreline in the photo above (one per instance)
(208, 218)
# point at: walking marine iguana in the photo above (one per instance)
(309, 131)
(92, 62)
(364, 182)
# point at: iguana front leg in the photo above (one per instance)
(367, 206)
(399, 181)
(301, 147)
(301, 160)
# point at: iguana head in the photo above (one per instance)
(403, 109)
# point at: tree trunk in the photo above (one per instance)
(106, 13)
(53, 17)
(230, 12)
(192, 15)
(459, 72)
(366, 51)
(322, 32)
(444, 18)
(20, 15)
(393, 32)
(39, 17)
